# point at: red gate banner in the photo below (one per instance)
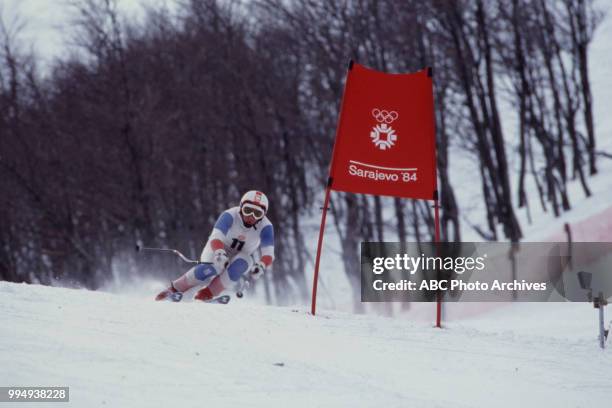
(385, 141)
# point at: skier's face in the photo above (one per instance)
(248, 220)
(251, 214)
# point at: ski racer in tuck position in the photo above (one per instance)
(228, 254)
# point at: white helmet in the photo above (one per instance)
(256, 198)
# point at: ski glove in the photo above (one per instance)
(257, 270)
(220, 259)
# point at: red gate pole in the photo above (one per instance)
(437, 239)
(319, 245)
(327, 192)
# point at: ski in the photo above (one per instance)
(178, 296)
(222, 300)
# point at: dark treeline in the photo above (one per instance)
(148, 130)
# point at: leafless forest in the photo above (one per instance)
(149, 129)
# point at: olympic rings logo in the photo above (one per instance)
(384, 116)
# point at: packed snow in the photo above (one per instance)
(128, 351)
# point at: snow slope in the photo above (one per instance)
(126, 351)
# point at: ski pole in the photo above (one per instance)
(140, 248)
(242, 286)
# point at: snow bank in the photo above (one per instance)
(125, 351)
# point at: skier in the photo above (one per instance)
(227, 255)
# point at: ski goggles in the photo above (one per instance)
(255, 211)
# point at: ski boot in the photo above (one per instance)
(204, 295)
(170, 293)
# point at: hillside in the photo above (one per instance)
(127, 351)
